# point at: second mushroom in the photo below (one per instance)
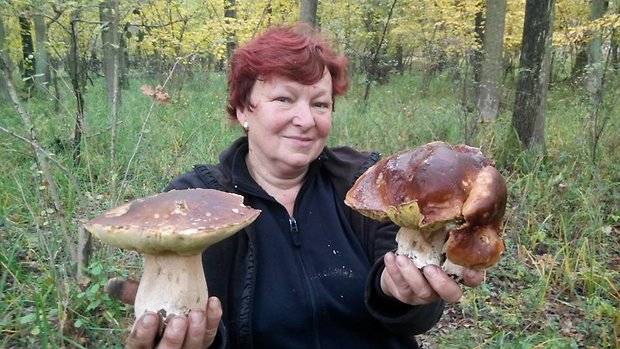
(448, 200)
(172, 229)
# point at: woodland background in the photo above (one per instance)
(104, 101)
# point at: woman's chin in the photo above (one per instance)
(298, 161)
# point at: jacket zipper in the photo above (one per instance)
(296, 237)
(294, 232)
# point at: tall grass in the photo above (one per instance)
(556, 285)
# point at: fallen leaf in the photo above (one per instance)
(158, 94)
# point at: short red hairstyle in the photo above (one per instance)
(294, 52)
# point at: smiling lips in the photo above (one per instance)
(299, 140)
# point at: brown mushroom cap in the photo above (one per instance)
(183, 222)
(437, 185)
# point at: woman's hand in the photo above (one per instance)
(196, 330)
(402, 280)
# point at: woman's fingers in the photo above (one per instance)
(213, 317)
(146, 328)
(196, 330)
(203, 325)
(175, 333)
(443, 284)
(402, 280)
(144, 332)
(419, 290)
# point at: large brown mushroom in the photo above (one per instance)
(448, 200)
(172, 229)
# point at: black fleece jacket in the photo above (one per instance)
(230, 265)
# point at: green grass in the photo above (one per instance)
(556, 286)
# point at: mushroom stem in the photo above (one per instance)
(422, 247)
(171, 284)
(427, 247)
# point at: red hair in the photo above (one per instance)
(297, 53)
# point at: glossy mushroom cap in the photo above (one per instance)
(183, 222)
(437, 185)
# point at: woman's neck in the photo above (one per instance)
(283, 188)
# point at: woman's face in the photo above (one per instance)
(289, 124)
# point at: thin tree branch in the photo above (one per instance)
(37, 148)
(41, 159)
(123, 185)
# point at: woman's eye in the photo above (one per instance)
(282, 99)
(321, 105)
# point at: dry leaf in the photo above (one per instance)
(158, 94)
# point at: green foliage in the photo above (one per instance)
(555, 286)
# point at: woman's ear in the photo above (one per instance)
(242, 119)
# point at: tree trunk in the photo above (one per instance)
(581, 60)
(374, 63)
(400, 64)
(595, 72)
(615, 52)
(478, 55)
(28, 61)
(528, 118)
(4, 92)
(123, 61)
(54, 64)
(490, 89)
(308, 11)
(42, 71)
(594, 69)
(75, 73)
(108, 14)
(230, 14)
(615, 44)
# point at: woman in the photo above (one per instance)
(310, 272)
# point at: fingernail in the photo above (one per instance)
(178, 324)
(149, 320)
(213, 303)
(196, 317)
(388, 258)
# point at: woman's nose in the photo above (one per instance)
(303, 115)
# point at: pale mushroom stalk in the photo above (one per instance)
(423, 248)
(171, 283)
(426, 247)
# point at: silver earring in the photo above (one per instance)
(245, 126)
